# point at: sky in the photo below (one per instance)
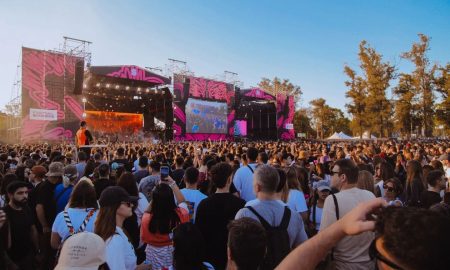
(307, 42)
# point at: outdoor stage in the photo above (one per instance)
(130, 103)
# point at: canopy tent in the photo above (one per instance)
(366, 136)
(344, 136)
(339, 136)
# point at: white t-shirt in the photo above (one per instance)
(243, 181)
(296, 201)
(77, 217)
(141, 207)
(353, 248)
(120, 252)
(318, 216)
(192, 199)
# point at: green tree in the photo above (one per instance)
(423, 81)
(377, 76)
(319, 113)
(357, 108)
(303, 123)
(328, 119)
(277, 86)
(405, 105)
(442, 82)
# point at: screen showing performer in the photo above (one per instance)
(206, 116)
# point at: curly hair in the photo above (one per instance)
(418, 238)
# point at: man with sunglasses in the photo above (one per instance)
(352, 252)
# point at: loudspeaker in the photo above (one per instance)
(79, 76)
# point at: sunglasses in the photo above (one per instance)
(390, 189)
(375, 254)
(129, 204)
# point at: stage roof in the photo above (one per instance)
(256, 93)
(130, 72)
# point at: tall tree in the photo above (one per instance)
(357, 93)
(377, 76)
(302, 123)
(277, 86)
(405, 105)
(319, 112)
(328, 119)
(422, 78)
(442, 82)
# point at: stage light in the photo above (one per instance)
(107, 85)
(127, 88)
(84, 115)
(84, 100)
(98, 85)
(117, 86)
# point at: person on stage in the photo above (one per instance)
(83, 138)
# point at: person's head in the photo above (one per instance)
(83, 124)
(7, 178)
(179, 161)
(344, 172)
(322, 189)
(263, 158)
(411, 238)
(115, 206)
(127, 182)
(156, 166)
(37, 173)
(83, 196)
(82, 157)
(265, 179)
(82, 251)
(163, 210)
(143, 162)
(436, 179)
(392, 187)
(413, 170)
(247, 244)
(120, 152)
(286, 159)
(18, 193)
(103, 171)
(292, 178)
(70, 176)
(191, 176)
(252, 154)
(384, 170)
(220, 174)
(189, 247)
(365, 181)
(55, 171)
(282, 185)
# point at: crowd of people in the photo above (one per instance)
(226, 205)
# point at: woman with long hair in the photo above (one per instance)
(115, 206)
(296, 198)
(189, 248)
(383, 171)
(82, 208)
(365, 181)
(321, 192)
(162, 216)
(414, 183)
(393, 189)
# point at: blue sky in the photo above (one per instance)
(307, 42)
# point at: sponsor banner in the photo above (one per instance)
(289, 126)
(41, 114)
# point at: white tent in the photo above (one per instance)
(366, 136)
(339, 136)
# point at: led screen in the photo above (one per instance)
(206, 116)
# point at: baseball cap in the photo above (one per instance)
(55, 169)
(82, 251)
(115, 195)
(39, 171)
(322, 185)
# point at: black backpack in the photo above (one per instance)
(278, 244)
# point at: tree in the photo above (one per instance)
(405, 105)
(376, 78)
(303, 124)
(319, 113)
(357, 93)
(442, 82)
(276, 86)
(328, 119)
(422, 81)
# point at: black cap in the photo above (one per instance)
(115, 195)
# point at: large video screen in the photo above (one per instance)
(206, 116)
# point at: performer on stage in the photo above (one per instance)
(82, 138)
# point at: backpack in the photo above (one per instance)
(278, 244)
(72, 230)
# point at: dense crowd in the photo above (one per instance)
(226, 205)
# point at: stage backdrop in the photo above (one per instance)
(188, 87)
(50, 110)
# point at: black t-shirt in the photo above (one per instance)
(32, 194)
(101, 184)
(213, 215)
(20, 222)
(45, 196)
(428, 198)
(178, 175)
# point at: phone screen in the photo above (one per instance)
(164, 172)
